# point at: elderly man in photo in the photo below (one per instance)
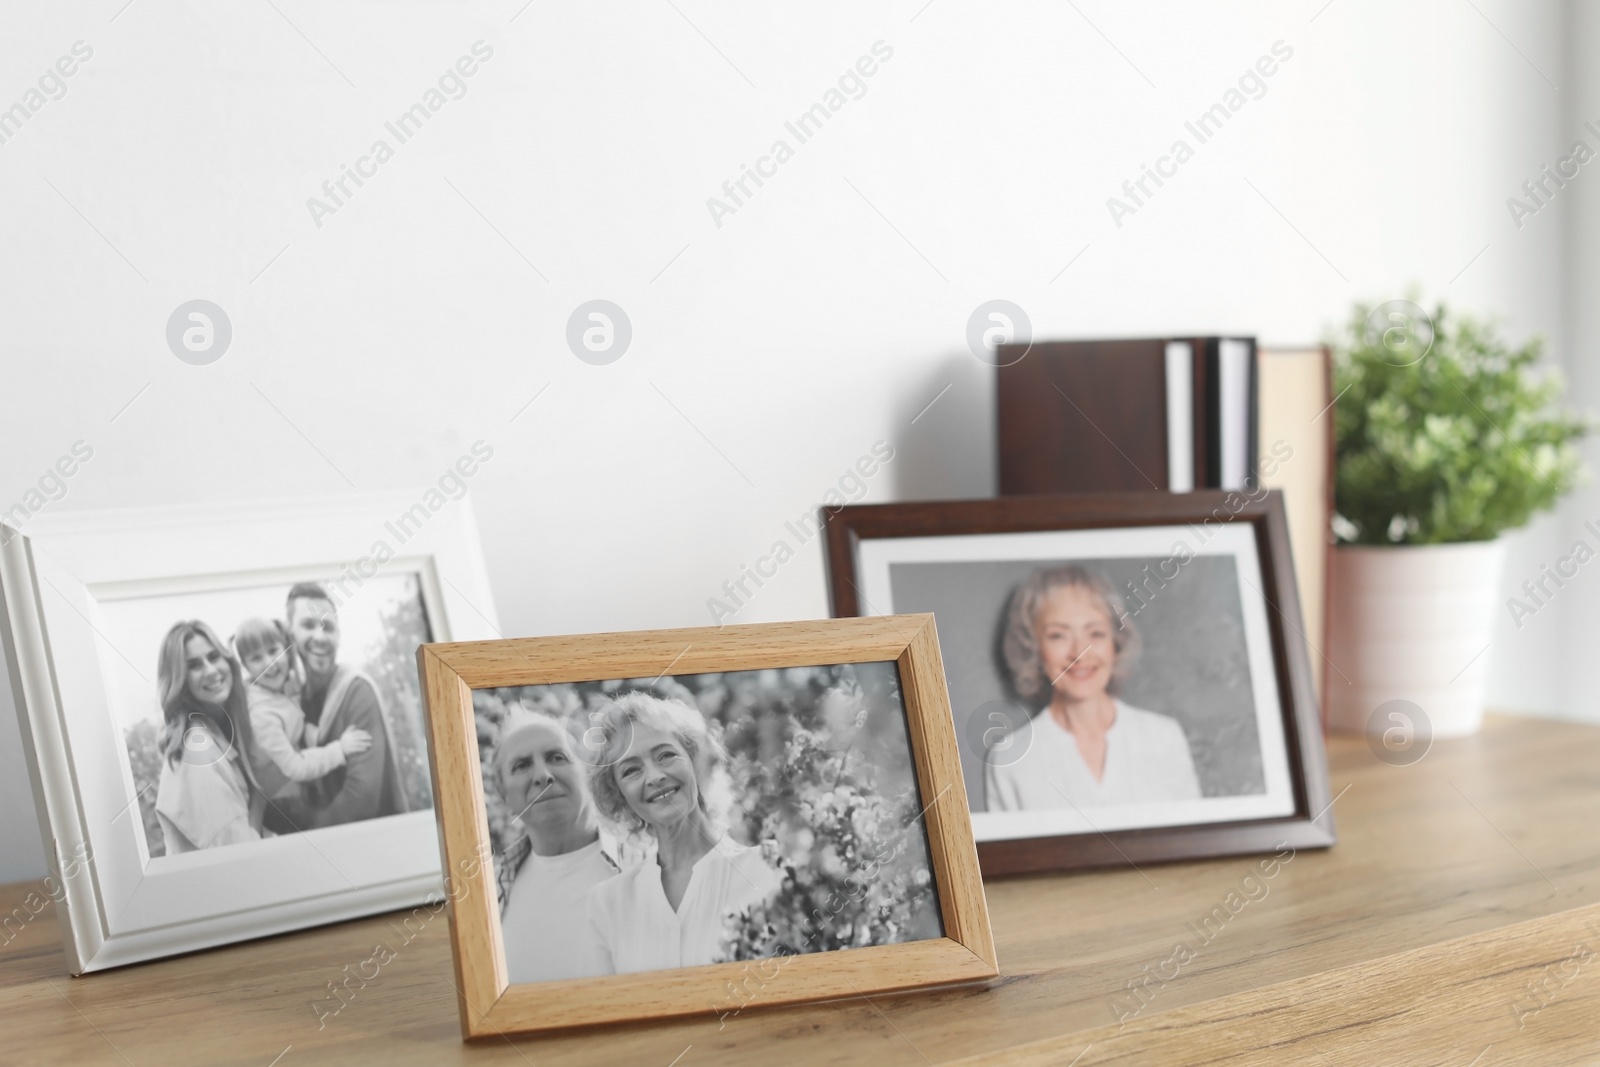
(546, 877)
(336, 698)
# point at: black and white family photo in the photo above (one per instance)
(650, 824)
(271, 709)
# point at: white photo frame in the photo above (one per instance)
(67, 581)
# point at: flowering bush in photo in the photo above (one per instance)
(845, 831)
(821, 780)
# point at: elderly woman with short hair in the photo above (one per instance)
(1070, 644)
(661, 777)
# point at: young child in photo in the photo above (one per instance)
(276, 721)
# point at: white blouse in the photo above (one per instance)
(1147, 762)
(544, 927)
(204, 799)
(639, 931)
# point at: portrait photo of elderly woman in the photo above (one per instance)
(1105, 676)
(1112, 688)
(1070, 644)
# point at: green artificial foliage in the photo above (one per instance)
(1457, 444)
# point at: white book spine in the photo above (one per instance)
(1233, 404)
(1180, 417)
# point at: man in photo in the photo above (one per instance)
(545, 878)
(335, 699)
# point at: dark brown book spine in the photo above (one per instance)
(1081, 416)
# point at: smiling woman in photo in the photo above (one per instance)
(1070, 643)
(661, 777)
(546, 877)
(207, 794)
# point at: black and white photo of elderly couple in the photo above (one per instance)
(651, 824)
(273, 709)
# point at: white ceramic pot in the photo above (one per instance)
(1412, 622)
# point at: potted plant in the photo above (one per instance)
(1446, 437)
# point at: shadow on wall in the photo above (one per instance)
(944, 432)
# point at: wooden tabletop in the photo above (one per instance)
(1456, 922)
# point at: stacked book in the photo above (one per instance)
(1178, 414)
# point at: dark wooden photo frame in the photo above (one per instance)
(1309, 825)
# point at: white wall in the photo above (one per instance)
(1573, 631)
(775, 349)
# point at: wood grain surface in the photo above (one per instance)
(1531, 988)
(1443, 915)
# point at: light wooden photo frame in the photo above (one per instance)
(492, 1005)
